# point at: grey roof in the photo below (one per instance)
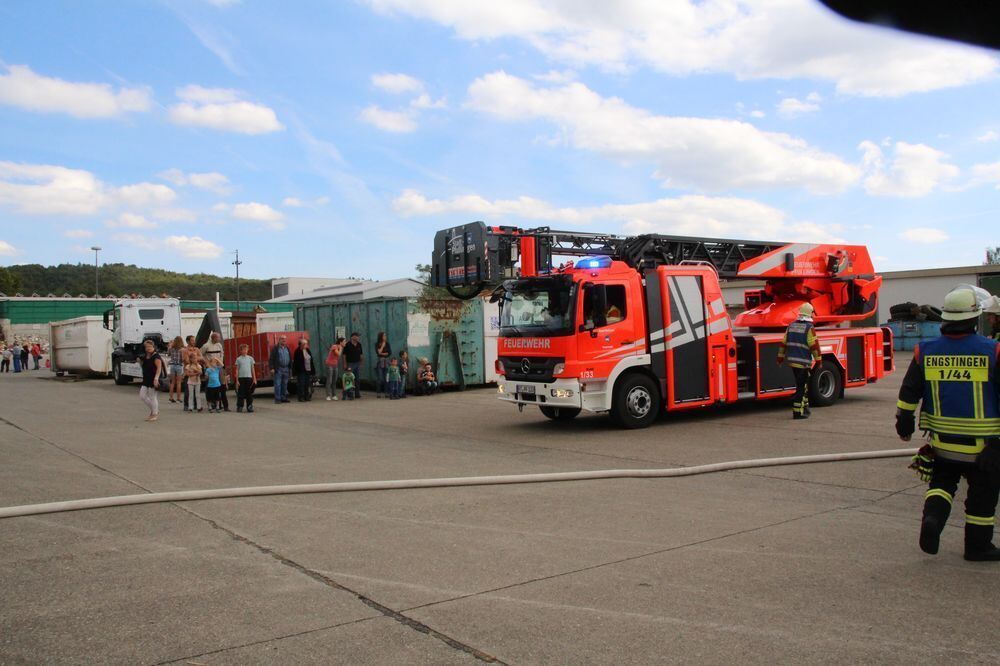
(359, 290)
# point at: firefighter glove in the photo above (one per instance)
(989, 460)
(923, 462)
(906, 423)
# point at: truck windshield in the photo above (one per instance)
(538, 307)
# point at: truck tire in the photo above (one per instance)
(560, 413)
(636, 402)
(116, 372)
(825, 384)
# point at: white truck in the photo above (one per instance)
(131, 322)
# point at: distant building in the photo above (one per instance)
(357, 290)
(296, 286)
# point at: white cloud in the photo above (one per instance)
(23, 88)
(7, 250)
(686, 215)
(188, 247)
(791, 107)
(783, 39)
(222, 109)
(212, 181)
(193, 247)
(688, 152)
(924, 235)
(557, 77)
(915, 170)
(130, 221)
(397, 83)
(258, 212)
(78, 233)
(424, 101)
(986, 174)
(295, 202)
(399, 122)
(144, 194)
(988, 136)
(46, 189)
(757, 113)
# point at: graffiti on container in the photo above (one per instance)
(443, 310)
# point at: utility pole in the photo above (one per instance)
(237, 264)
(97, 284)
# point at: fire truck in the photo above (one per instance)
(634, 326)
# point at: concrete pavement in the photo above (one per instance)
(814, 563)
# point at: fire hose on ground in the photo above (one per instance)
(453, 482)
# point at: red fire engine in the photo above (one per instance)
(633, 326)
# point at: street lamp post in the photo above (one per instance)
(97, 284)
(237, 264)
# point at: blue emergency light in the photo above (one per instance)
(594, 262)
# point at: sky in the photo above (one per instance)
(332, 139)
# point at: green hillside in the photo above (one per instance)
(119, 279)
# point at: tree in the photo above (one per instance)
(9, 282)
(993, 255)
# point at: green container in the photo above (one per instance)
(448, 333)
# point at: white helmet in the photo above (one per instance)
(806, 310)
(961, 304)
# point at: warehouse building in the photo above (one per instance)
(338, 291)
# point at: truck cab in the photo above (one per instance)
(132, 321)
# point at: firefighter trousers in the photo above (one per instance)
(800, 401)
(980, 501)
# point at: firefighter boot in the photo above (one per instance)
(978, 543)
(936, 510)
(800, 410)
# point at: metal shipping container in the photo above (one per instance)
(451, 334)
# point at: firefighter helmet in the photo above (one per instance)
(960, 304)
(806, 310)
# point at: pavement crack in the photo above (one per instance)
(270, 639)
(75, 455)
(323, 579)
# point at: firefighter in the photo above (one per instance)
(800, 350)
(956, 381)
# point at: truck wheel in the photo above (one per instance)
(560, 413)
(636, 402)
(116, 371)
(825, 385)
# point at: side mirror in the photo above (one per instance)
(107, 319)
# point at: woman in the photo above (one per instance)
(333, 368)
(175, 368)
(304, 368)
(382, 353)
(152, 368)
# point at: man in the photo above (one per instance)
(354, 356)
(213, 349)
(956, 381)
(800, 350)
(994, 320)
(281, 367)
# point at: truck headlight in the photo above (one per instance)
(558, 368)
(561, 393)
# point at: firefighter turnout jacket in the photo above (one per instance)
(955, 380)
(800, 348)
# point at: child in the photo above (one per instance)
(214, 388)
(427, 380)
(404, 372)
(246, 379)
(392, 377)
(192, 371)
(348, 381)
